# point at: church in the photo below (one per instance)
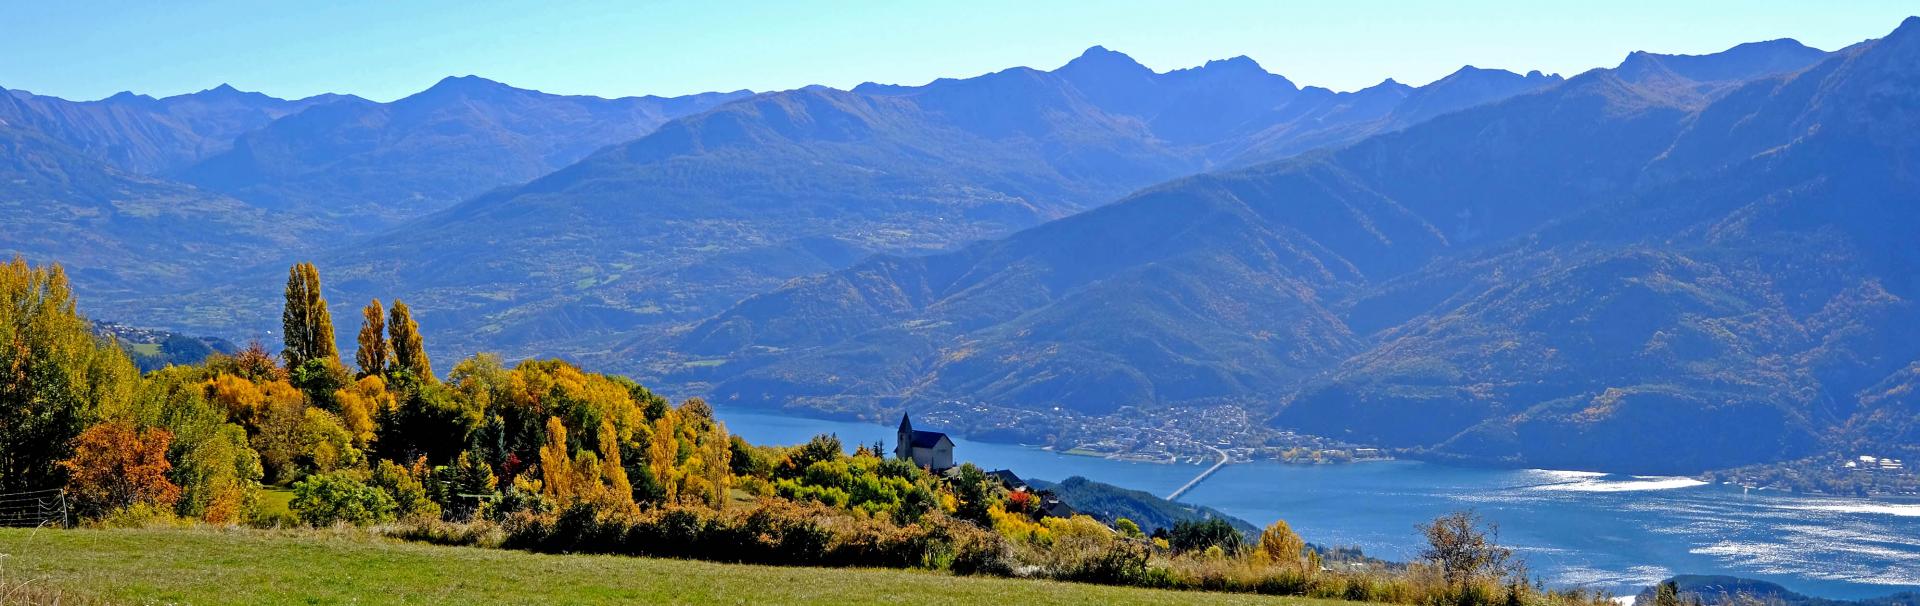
(928, 449)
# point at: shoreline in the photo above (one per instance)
(1454, 462)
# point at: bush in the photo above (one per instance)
(409, 495)
(328, 499)
(1198, 536)
(774, 531)
(480, 533)
(979, 552)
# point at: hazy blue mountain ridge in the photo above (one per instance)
(1527, 282)
(674, 226)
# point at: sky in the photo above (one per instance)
(385, 50)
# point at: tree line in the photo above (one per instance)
(546, 456)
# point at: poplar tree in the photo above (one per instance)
(372, 357)
(409, 353)
(306, 323)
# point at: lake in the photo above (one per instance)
(1611, 532)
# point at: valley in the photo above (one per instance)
(1471, 304)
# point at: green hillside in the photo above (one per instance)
(205, 566)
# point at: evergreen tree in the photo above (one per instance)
(307, 325)
(409, 352)
(372, 357)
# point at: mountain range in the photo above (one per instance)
(642, 238)
(1494, 267)
(1678, 264)
(365, 166)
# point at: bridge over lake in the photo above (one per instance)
(1182, 490)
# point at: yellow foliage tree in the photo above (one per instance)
(409, 352)
(373, 356)
(361, 403)
(556, 467)
(663, 454)
(1280, 545)
(618, 490)
(306, 321)
(56, 377)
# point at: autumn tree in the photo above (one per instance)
(556, 467)
(58, 377)
(373, 355)
(409, 352)
(663, 452)
(115, 466)
(1464, 549)
(253, 363)
(1280, 545)
(307, 324)
(361, 404)
(618, 494)
(218, 473)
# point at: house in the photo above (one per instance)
(930, 449)
(1052, 507)
(1008, 479)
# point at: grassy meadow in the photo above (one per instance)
(237, 566)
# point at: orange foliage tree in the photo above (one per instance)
(116, 466)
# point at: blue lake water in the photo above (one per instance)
(1609, 532)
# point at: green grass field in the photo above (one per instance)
(209, 566)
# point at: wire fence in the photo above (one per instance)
(34, 508)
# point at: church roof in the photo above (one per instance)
(928, 439)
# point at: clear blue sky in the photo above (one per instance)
(385, 50)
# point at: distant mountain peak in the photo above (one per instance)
(1099, 59)
(468, 84)
(1908, 27)
(1387, 85)
(1241, 62)
(226, 91)
(1775, 44)
(127, 96)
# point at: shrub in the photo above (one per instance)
(979, 552)
(1198, 536)
(328, 499)
(115, 466)
(773, 531)
(404, 488)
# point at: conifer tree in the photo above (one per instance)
(307, 325)
(372, 357)
(409, 352)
